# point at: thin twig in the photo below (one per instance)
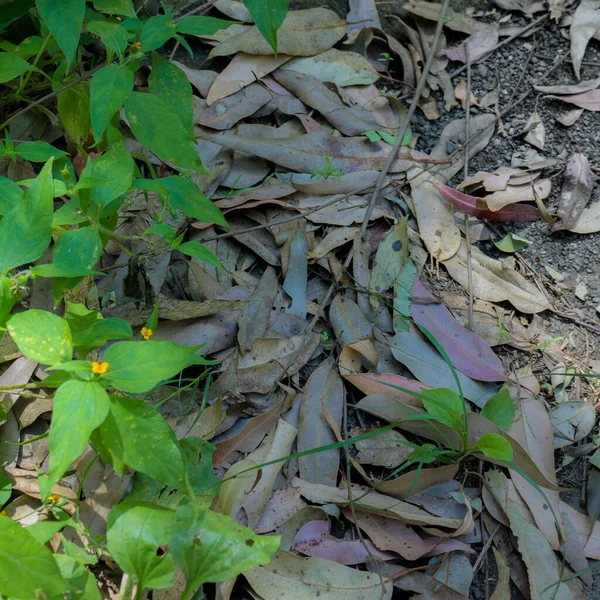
(523, 71)
(405, 124)
(465, 176)
(484, 550)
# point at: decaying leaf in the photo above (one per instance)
(535, 130)
(586, 22)
(571, 421)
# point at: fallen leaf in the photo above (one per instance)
(387, 449)
(348, 211)
(289, 577)
(280, 507)
(535, 130)
(295, 284)
(576, 192)
(254, 317)
(467, 351)
(588, 100)
(574, 553)
(452, 570)
(350, 120)
(429, 367)
(544, 571)
(475, 47)
(586, 22)
(495, 282)
(349, 323)
(502, 589)
(570, 118)
(453, 20)
(348, 183)
(572, 421)
(460, 93)
(303, 33)
(202, 80)
(324, 390)
(582, 86)
(477, 207)
(199, 424)
(243, 70)
(334, 66)
(518, 193)
(414, 482)
(314, 540)
(385, 384)
(589, 220)
(362, 13)
(275, 445)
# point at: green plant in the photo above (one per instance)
(327, 172)
(77, 72)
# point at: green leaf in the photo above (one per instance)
(197, 455)
(495, 446)
(135, 532)
(372, 135)
(165, 231)
(115, 167)
(137, 436)
(184, 195)
(113, 36)
(11, 11)
(41, 336)
(7, 300)
(6, 487)
(115, 7)
(73, 255)
(268, 16)
(25, 231)
(108, 89)
(74, 111)
(445, 404)
(38, 151)
(79, 317)
(10, 195)
(156, 31)
(209, 547)
(78, 576)
(79, 407)
(136, 367)
(43, 531)
(26, 566)
(170, 83)
(426, 454)
(199, 251)
(194, 25)
(499, 409)
(11, 66)
(512, 243)
(101, 331)
(161, 131)
(64, 19)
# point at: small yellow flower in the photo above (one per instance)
(54, 499)
(99, 368)
(146, 333)
(65, 172)
(136, 46)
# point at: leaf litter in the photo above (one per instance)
(292, 324)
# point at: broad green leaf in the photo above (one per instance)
(25, 231)
(113, 36)
(512, 243)
(6, 488)
(38, 151)
(10, 195)
(78, 408)
(197, 455)
(194, 25)
(495, 446)
(27, 48)
(27, 567)
(156, 31)
(199, 251)
(209, 547)
(115, 167)
(136, 367)
(64, 19)
(184, 195)
(73, 255)
(499, 409)
(165, 231)
(268, 16)
(138, 436)
(74, 111)
(41, 336)
(11, 66)
(135, 532)
(161, 131)
(79, 317)
(11, 11)
(83, 368)
(108, 89)
(170, 83)
(7, 300)
(101, 331)
(115, 7)
(78, 576)
(43, 531)
(445, 404)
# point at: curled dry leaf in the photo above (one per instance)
(576, 191)
(495, 282)
(362, 13)
(303, 33)
(502, 589)
(577, 88)
(387, 449)
(280, 507)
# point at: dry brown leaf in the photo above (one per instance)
(282, 505)
(577, 88)
(586, 22)
(574, 551)
(243, 70)
(502, 589)
(417, 481)
(203, 425)
(518, 193)
(303, 33)
(587, 100)
(460, 93)
(579, 180)
(475, 47)
(19, 372)
(495, 282)
(324, 391)
(535, 130)
(201, 80)
(570, 118)
(362, 13)
(387, 449)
